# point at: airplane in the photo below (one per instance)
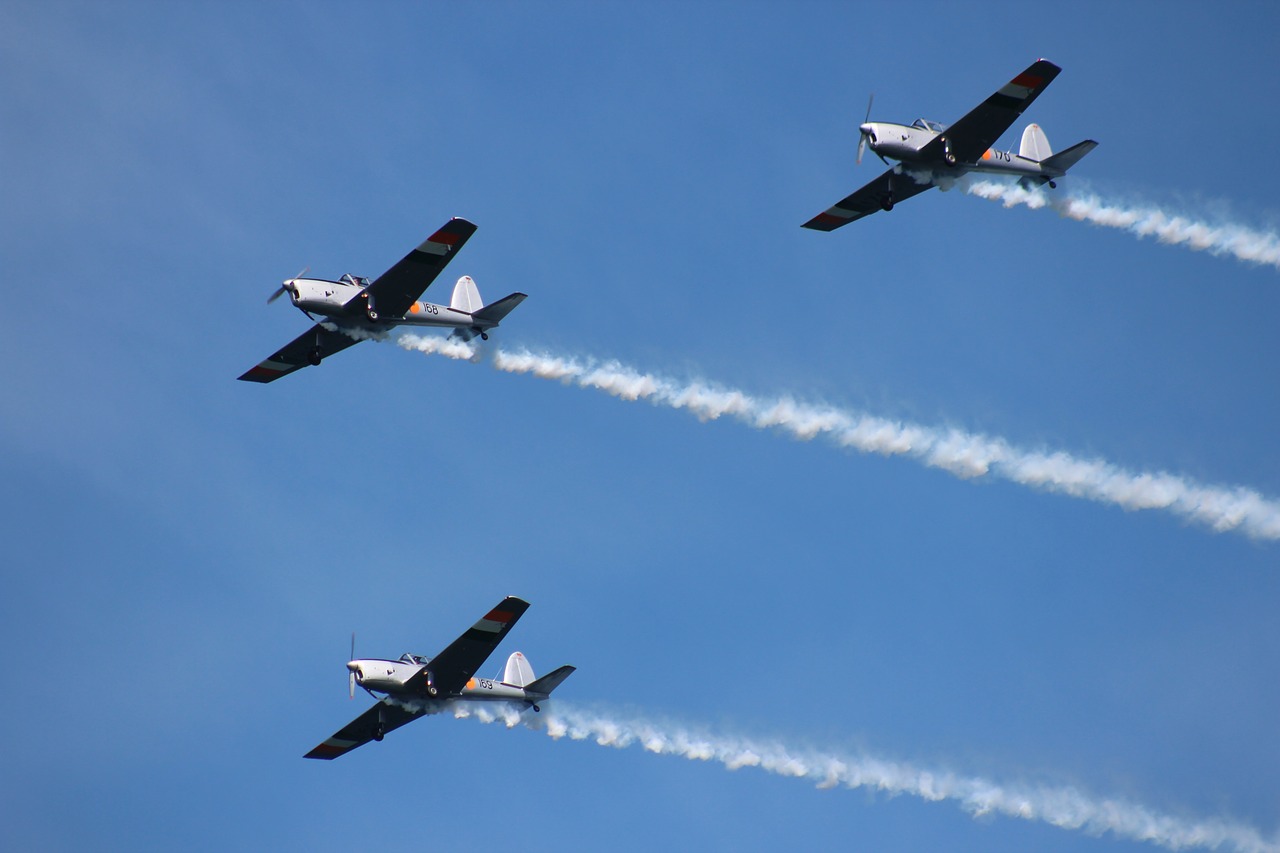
(415, 686)
(931, 154)
(354, 309)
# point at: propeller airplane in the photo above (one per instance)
(930, 153)
(415, 686)
(353, 309)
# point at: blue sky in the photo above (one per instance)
(187, 555)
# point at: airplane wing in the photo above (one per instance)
(295, 354)
(399, 287)
(979, 129)
(452, 668)
(383, 717)
(867, 200)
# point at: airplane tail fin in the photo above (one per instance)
(544, 685)
(518, 672)
(466, 296)
(1035, 145)
(1064, 160)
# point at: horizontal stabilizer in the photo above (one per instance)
(1064, 160)
(544, 685)
(492, 315)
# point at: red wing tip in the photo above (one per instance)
(500, 616)
(825, 222)
(262, 374)
(325, 751)
(445, 236)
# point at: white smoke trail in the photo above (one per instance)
(356, 333)
(1064, 807)
(964, 454)
(1245, 244)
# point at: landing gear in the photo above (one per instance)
(946, 152)
(536, 709)
(484, 336)
(431, 690)
(1053, 185)
(886, 203)
(313, 356)
(378, 732)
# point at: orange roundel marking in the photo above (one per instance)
(471, 684)
(986, 155)
(415, 308)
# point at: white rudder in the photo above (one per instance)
(1035, 145)
(518, 672)
(466, 296)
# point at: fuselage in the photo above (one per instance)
(904, 143)
(392, 676)
(341, 301)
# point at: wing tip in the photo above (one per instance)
(827, 221)
(261, 373)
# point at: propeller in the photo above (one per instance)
(284, 286)
(351, 676)
(862, 133)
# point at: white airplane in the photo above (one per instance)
(355, 309)
(929, 153)
(415, 686)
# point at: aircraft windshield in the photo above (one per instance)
(936, 127)
(358, 281)
(418, 659)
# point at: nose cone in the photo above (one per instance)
(353, 666)
(868, 129)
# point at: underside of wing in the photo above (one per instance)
(881, 194)
(386, 715)
(972, 135)
(399, 287)
(317, 342)
(452, 668)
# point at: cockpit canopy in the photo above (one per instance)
(927, 124)
(356, 280)
(418, 659)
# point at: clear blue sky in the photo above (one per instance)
(185, 555)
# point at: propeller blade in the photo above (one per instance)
(284, 286)
(862, 137)
(351, 676)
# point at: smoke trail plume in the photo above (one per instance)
(1063, 807)
(964, 454)
(1242, 243)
